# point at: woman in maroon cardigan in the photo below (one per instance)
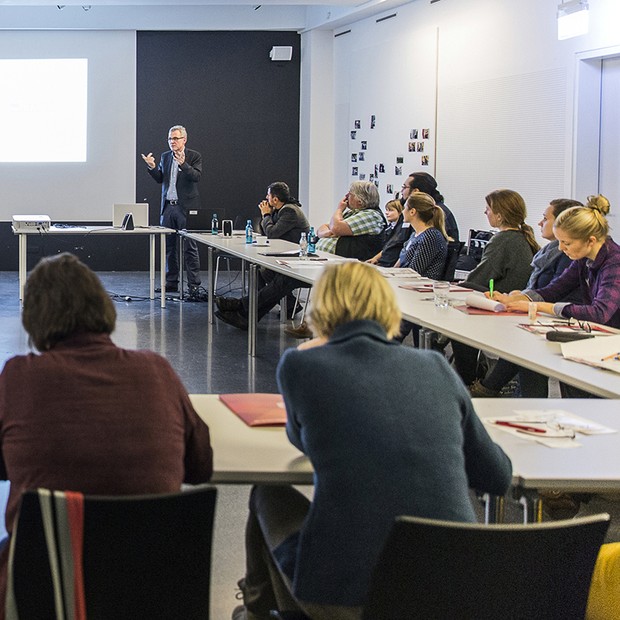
(85, 415)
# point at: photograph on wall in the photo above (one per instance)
(400, 159)
(371, 177)
(354, 157)
(364, 146)
(389, 188)
(376, 170)
(398, 171)
(362, 176)
(353, 135)
(424, 160)
(411, 147)
(381, 168)
(361, 156)
(354, 171)
(358, 124)
(373, 120)
(426, 134)
(413, 134)
(420, 147)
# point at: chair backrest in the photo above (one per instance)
(454, 251)
(142, 556)
(476, 242)
(438, 569)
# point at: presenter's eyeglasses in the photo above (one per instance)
(174, 139)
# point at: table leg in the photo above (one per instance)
(152, 266)
(211, 284)
(493, 508)
(283, 310)
(253, 304)
(532, 506)
(23, 241)
(180, 250)
(162, 268)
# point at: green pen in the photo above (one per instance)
(491, 288)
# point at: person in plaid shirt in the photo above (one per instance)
(357, 215)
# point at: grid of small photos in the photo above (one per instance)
(364, 169)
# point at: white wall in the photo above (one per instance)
(491, 81)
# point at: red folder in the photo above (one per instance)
(257, 409)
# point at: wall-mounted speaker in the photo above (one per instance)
(281, 53)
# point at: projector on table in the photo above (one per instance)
(31, 222)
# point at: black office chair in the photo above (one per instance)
(452, 257)
(476, 242)
(141, 556)
(438, 569)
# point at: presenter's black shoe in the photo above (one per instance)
(228, 304)
(234, 318)
(170, 288)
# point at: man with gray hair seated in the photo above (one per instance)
(356, 228)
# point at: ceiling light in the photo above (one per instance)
(572, 19)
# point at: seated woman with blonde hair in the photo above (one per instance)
(583, 233)
(389, 430)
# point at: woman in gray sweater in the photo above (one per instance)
(507, 260)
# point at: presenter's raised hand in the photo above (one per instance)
(179, 156)
(149, 160)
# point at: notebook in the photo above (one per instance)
(257, 409)
(139, 210)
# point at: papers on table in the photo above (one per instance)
(426, 286)
(311, 263)
(477, 303)
(544, 327)
(599, 352)
(399, 272)
(554, 428)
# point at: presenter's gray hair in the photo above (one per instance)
(366, 192)
(178, 128)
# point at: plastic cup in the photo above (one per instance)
(440, 294)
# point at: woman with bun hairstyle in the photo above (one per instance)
(583, 233)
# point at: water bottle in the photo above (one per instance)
(249, 238)
(303, 245)
(215, 225)
(311, 241)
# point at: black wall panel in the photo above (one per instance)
(241, 111)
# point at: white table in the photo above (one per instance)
(253, 255)
(152, 231)
(498, 335)
(263, 455)
(249, 455)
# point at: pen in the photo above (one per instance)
(522, 427)
(491, 283)
(613, 356)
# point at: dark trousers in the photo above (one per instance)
(532, 384)
(276, 516)
(173, 216)
(276, 286)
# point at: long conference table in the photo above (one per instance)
(151, 231)
(263, 455)
(498, 335)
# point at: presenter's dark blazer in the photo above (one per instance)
(187, 179)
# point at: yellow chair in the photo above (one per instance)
(604, 598)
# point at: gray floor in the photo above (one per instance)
(209, 359)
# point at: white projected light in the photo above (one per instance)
(43, 110)
(573, 18)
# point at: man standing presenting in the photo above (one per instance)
(178, 172)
